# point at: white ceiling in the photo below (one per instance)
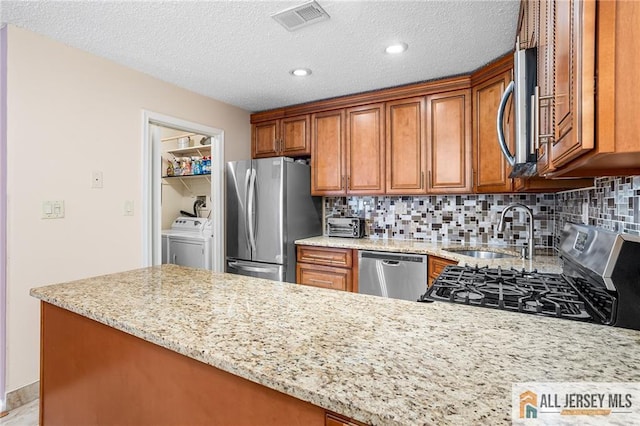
(235, 52)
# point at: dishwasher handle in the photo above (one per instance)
(391, 262)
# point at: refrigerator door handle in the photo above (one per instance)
(250, 207)
(249, 268)
(247, 179)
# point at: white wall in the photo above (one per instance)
(70, 113)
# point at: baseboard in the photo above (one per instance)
(22, 396)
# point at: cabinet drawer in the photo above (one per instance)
(436, 265)
(324, 276)
(325, 256)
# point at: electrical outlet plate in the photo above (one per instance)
(96, 179)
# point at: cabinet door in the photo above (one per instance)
(449, 142)
(491, 170)
(365, 150)
(328, 159)
(528, 23)
(295, 136)
(436, 265)
(324, 276)
(574, 54)
(545, 84)
(406, 158)
(265, 139)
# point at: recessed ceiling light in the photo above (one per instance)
(396, 48)
(300, 72)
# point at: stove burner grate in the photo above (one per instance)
(509, 289)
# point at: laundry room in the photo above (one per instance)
(186, 198)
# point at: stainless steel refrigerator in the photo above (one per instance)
(269, 206)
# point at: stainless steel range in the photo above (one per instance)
(600, 282)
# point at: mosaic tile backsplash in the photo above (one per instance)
(614, 204)
(472, 219)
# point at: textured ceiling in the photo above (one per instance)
(235, 52)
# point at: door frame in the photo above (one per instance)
(152, 184)
(3, 216)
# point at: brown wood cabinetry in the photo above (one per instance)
(287, 136)
(435, 265)
(332, 419)
(588, 99)
(574, 83)
(326, 267)
(365, 150)
(491, 170)
(328, 158)
(545, 84)
(405, 146)
(449, 142)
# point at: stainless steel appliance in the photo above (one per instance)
(189, 242)
(399, 276)
(600, 282)
(347, 227)
(268, 205)
(523, 161)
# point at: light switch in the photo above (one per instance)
(96, 179)
(53, 209)
(128, 208)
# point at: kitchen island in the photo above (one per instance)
(375, 360)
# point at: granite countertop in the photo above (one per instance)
(545, 260)
(377, 360)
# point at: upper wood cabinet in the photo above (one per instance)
(595, 98)
(491, 170)
(449, 142)
(286, 136)
(545, 84)
(528, 23)
(365, 150)
(574, 82)
(405, 146)
(328, 157)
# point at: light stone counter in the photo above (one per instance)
(545, 260)
(380, 361)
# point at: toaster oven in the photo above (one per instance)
(347, 227)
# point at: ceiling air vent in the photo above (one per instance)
(300, 16)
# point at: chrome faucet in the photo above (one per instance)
(527, 252)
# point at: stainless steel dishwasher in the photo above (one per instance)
(395, 275)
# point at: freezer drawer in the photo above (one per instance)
(256, 269)
(399, 276)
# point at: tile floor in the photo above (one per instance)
(26, 415)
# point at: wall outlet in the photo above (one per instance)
(53, 209)
(96, 179)
(585, 213)
(202, 198)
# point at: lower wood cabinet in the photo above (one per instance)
(435, 265)
(324, 276)
(332, 419)
(327, 267)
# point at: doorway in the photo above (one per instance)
(153, 167)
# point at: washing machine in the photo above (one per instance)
(189, 242)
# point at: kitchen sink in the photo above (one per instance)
(482, 254)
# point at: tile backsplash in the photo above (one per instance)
(472, 219)
(613, 203)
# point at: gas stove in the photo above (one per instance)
(600, 282)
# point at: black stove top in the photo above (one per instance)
(518, 291)
(600, 281)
